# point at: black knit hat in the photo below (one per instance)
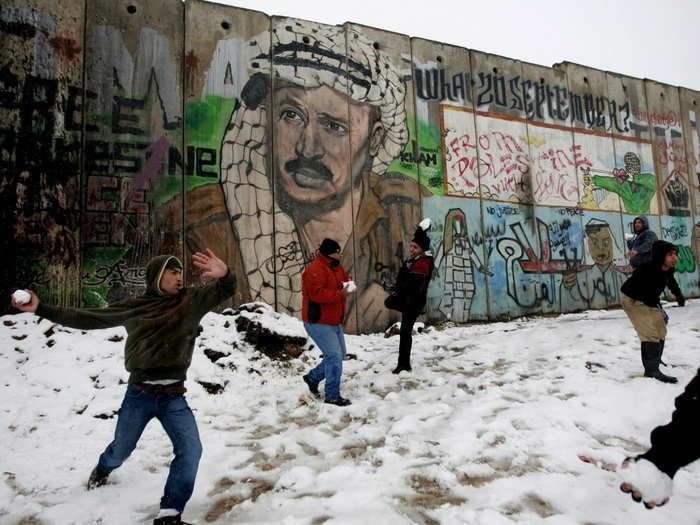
(328, 247)
(421, 238)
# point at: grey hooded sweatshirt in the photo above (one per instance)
(161, 328)
(642, 242)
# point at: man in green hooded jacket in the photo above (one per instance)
(161, 325)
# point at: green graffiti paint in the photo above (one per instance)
(686, 260)
(423, 154)
(205, 125)
(636, 194)
(100, 269)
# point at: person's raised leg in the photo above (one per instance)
(405, 342)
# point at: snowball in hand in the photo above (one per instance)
(21, 297)
(349, 286)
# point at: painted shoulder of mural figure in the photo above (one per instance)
(335, 107)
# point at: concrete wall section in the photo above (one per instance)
(171, 127)
(228, 195)
(42, 112)
(132, 177)
(690, 110)
(442, 83)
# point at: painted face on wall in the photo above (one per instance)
(600, 244)
(317, 132)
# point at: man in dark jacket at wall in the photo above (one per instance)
(161, 327)
(325, 288)
(409, 293)
(640, 243)
(641, 295)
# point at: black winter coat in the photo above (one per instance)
(648, 281)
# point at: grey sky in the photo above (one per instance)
(656, 39)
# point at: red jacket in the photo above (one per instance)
(322, 291)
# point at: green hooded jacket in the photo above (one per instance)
(161, 328)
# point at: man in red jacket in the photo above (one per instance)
(325, 287)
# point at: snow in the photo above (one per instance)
(486, 430)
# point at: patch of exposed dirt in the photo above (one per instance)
(250, 489)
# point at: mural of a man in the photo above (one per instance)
(636, 189)
(337, 120)
(599, 285)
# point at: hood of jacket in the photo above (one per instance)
(645, 223)
(154, 271)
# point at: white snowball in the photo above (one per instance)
(21, 297)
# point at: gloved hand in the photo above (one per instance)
(681, 300)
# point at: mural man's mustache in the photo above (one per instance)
(308, 173)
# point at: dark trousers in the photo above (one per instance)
(678, 443)
(408, 319)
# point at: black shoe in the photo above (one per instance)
(170, 520)
(662, 377)
(98, 477)
(338, 401)
(400, 369)
(313, 387)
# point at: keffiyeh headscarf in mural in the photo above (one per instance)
(307, 55)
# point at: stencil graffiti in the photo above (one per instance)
(455, 261)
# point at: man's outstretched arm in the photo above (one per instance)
(79, 318)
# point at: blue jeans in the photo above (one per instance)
(330, 340)
(137, 409)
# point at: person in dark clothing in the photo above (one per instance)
(641, 295)
(649, 476)
(410, 291)
(162, 326)
(325, 288)
(640, 244)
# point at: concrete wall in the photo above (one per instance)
(132, 128)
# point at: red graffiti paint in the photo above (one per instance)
(662, 119)
(191, 66)
(66, 47)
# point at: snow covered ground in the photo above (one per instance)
(485, 431)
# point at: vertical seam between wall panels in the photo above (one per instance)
(479, 195)
(183, 142)
(354, 216)
(659, 200)
(82, 176)
(272, 169)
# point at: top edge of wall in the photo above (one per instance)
(213, 2)
(555, 66)
(616, 74)
(365, 26)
